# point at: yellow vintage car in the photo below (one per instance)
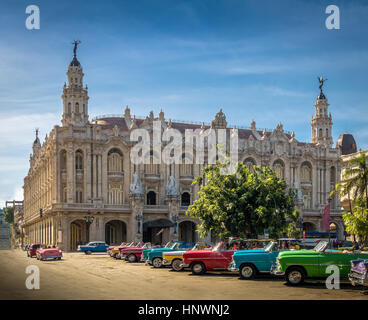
(175, 258)
(115, 252)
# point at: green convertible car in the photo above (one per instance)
(300, 264)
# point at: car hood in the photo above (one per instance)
(251, 251)
(174, 253)
(292, 253)
(132, 248)
(153, 251)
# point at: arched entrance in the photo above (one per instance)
(157, 231)
(187, 231)
(115, 232)
(309, 226)
(78, 234)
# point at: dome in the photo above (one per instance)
(346, 143)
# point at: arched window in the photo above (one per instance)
(185, 199)
(151, 198)
(115, 195)
(326, 132)
(278, 167)
(79, 160)
(115, 161)
(79, 196)
(63, 160)
(249, 163)
(77, 107)
(69, 111)
(320, 133)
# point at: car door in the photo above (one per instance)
(223, 259)
(327, 259)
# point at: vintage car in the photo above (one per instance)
(359, 272)
(93, 246)
(108, 251)
(48, 253)
(175, 258)
(32, 250)
(115, 251)
(155, 256)
(134, 254)
(251, 262)
(216, 259)
(298, 265)
(147, 251)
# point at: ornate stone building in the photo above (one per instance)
(81, 183)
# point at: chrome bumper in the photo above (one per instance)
(166, 263)
(232, 267)
(357, 279)
(183, 265)
(275, 270)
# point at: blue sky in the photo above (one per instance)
(255, 59)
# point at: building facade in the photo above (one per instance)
(4, 233)
(82, 184)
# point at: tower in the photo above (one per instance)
(75, 97)
(322, 120)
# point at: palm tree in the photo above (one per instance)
(357, 178)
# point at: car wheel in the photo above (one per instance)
(132, 258)
(247, 271)
(88, 252)
(59, 258)
(295, 276)
(198, 268)
(157, 262)
(176, 265)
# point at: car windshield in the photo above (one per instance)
(175, 245)
(169, 244)
(219, 246)
(271, 246)
(321, 246)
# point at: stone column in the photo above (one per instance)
(136, 218)
(70, 176)
(173, 202)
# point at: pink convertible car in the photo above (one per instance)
(49, 253)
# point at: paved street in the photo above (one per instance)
(97, 276)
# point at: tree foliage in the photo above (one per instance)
(293, 229)
(357, 178)
(356, 223)
(243, 203)
(9, 215)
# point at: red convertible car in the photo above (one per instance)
(32, 250)
(134, 253)
(209, 260)
(49, 253)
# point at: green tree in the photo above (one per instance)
(357, 178)
(356, 223)
(292, 229)
(9, 215)
(242, 203)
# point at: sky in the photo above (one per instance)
(256, 59)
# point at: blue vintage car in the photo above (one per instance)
(93, 246)
(249, 263)
(155, 255)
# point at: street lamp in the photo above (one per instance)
(139, 218)
(89, 220)
(175, 219)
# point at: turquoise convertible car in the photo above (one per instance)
(249, 263)
(155, 255)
